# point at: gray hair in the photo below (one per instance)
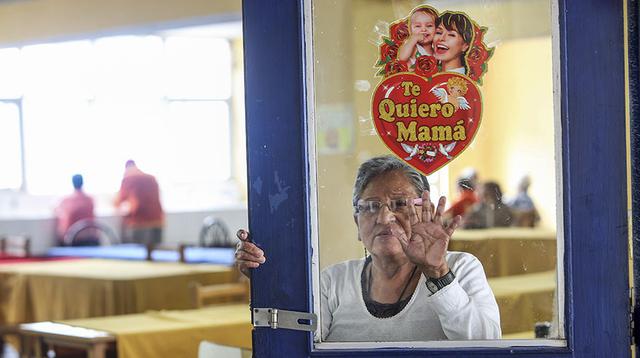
(377, 166)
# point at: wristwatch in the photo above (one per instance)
(436, 284)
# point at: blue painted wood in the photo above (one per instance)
(633, 14)
(594, 180)
(277, 167)
(595, 197)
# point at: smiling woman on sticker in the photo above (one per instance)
(409, 287)
(454, 34)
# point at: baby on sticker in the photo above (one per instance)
(422, 27)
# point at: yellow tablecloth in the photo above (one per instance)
(508, 251)
(175, 333)
(96, 287)
(524, 300)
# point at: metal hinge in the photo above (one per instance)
(276, 318)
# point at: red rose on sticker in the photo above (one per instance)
(426, 66)
(478, 34)
(399, 32)
(475, 72)
(477, 55)
(394, 67)
(390, 51)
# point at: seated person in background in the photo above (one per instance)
(410, 288)
(73, 208)
(490, 211)
(524, 211)
(144, 219)
(466, 199)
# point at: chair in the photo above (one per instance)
(214, 233)
(213, 350)
(525, 218)
(237, 291)
(15, 246)
(180, 248)
(90, 232)
(219, 293)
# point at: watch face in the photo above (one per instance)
(432, 286)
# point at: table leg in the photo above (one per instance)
(26, 345)
(97, 350)
(38, 347)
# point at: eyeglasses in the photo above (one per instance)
(373, 207)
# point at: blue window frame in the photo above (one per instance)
(594, 181)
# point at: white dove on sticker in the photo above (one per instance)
(412, 151)
(446, 149)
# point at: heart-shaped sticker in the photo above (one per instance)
(427, 122)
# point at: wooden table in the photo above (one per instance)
(520, 264)
(524, 300)
(58, 290)
(34, 335)
(509, 251)
(150, 334)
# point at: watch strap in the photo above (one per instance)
(436, 284)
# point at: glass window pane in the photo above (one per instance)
(199, 144)
(59, 142)
(91, 105)
(511, 230)
(58, 70)
(11, 73)
(128, 67)
(198, 68)
(10, 157)
(124, 129)
(197, 158)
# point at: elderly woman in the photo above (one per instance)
(410, 288)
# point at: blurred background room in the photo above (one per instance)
(87, 86)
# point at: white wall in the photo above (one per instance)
(36, 21)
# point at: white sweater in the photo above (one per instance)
(464, 309)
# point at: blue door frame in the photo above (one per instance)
(594, 181)
(633, 16)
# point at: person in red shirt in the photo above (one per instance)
(75, 207)
(144, 217)
(466, 199)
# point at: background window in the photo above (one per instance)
(10, 164)
(164, 100)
